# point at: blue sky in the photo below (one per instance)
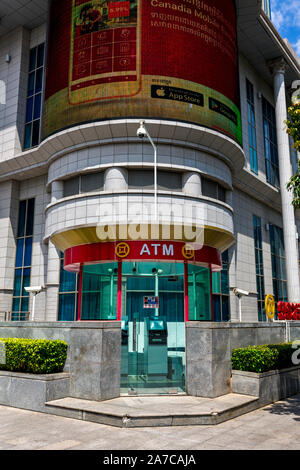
(286, 18)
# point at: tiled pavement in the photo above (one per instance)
(273, 427)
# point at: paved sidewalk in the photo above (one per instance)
(273, 427)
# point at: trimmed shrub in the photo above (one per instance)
(35, 356)
(263, 358)
(254, 359)
(285, 351)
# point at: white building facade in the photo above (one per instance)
(58, 187)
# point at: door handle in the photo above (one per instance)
(134, 335)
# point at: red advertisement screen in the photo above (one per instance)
(175, 60)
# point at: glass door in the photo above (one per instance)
(153, 329)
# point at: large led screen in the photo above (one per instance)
(173, 59)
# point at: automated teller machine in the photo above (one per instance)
(156, 345)
(124, 346)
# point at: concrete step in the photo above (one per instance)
(143, 411)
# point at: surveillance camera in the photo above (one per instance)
(240, 292)
(34, 289)
(141, 132)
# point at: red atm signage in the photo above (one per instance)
(141, 251)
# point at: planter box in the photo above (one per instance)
(30, 391)
(268, 386)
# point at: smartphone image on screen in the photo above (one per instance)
(105, 50)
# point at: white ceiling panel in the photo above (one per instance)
(27, 13)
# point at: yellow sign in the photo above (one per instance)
(270, 306)
(122, 250)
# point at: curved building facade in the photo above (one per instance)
(157, 232)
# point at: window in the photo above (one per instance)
(267, 7)
(294, 157)
(99, 292)
(91, 182)
(260, 282)
(270, 137)
(88, 183)
(278, 263)
(71, 186)
(68, 294)
(34, 97)
(213, 189)
(220, 289)
(20, 304)
(144, 179)
(251, 127)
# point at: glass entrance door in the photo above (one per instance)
(153, 328)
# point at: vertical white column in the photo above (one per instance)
(285, 172)
(57, 191)
(52, 285)
(115, 179)
(192, 183)
(53, 263)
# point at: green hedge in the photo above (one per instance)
(285, 351)
(263, 358)
(35, 356)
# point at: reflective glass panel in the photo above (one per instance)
(67, 307)
(153, 328)
(19, 255)
(99, 292)
(199, 293)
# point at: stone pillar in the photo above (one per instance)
(208, 359)
(116, 179)
(285, 172)
(191, 183)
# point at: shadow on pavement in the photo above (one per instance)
(290, 406)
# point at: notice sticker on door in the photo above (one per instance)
(151, 302)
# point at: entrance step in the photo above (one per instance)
(129, 412)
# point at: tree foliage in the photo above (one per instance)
(293, 129)
(293, 124)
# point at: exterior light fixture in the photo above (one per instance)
(34, 290)
(142, 133)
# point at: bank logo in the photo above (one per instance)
(270, 306)
(188, 252)
(122, 250)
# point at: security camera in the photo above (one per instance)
(240, 292)
(141, 132)
(34, 289)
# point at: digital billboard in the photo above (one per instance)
(173, 59)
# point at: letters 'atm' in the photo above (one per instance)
(156, 345)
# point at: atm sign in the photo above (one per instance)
(151, 302)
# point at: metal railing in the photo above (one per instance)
(9, 316)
